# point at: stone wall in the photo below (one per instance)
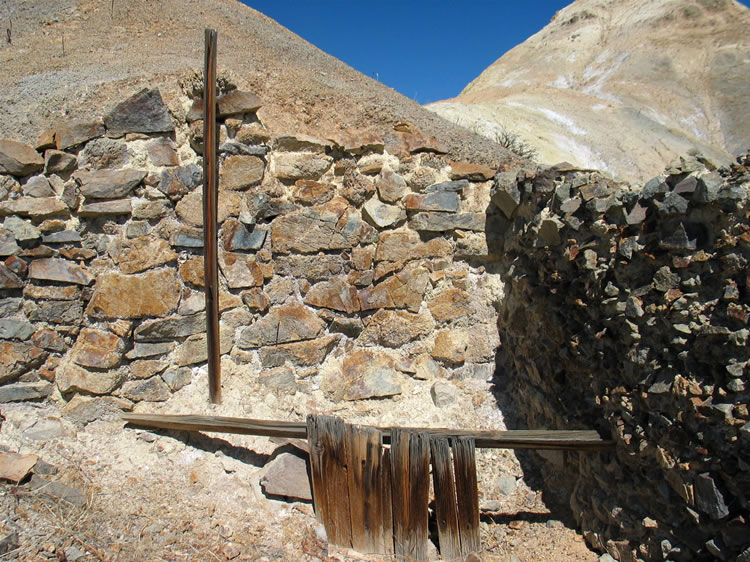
(627, 310)
(343, 266)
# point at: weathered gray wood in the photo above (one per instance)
(317, 451)
(335, 473)
(387, 500)
(419, 497)
(365, 495)
(467, 494)
(573, 440)
(400, 491)
(445, 498)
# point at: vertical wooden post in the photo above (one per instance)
(467, 495)
(445, 498)
(210, 227)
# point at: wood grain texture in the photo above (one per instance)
(467, 493)
(419, 496)
(400, 491)
(445, 498)
(335, 473)
(365, 496)
(319, 491)
(573, 440)
(387, 500)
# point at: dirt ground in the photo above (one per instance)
(193, 496)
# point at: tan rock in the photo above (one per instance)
(450, 305)
(300, 143)
(72, 378)
(147, 368)
(105, 208)
(18, 159)
(239, 172)
(15, 467)
(362, 257)
(336, 294)
(193, 271)
(35, 207)
(256, 300)
(402, 290)
(282, 324)
(362, 374)
(395, 328)
(96, 348)
(154, 293)
(471, 172)
(304, 353)
(139, 254)
(391, 186)
(55, 269)
(190, 207)
(194, 349)
(240, 270)
(450, 346)
(71, 133)
(308, 192)
(407, 245)
(300, 165)
(49, 292)
(17, 358)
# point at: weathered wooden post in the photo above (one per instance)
(210, 228)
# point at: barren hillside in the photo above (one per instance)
(622, 86)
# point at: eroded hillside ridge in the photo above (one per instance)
(627, 310)
(621, 86)
(343, 267)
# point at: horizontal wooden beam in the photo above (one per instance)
(566, 440)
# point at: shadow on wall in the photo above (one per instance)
(626, 311)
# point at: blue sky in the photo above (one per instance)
(426, 49)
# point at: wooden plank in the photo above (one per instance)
(467, 496)
(445, 498)
(419, 496)
(365, 495)
(335, 473)
(387, 500)
(400, 491)
(320, 496)
(569, 440)
(210, 224)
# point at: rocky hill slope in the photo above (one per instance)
(623, 87)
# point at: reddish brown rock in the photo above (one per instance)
(55, 269)
(18, 159)
(8, 279)
(72, 133)
(154, 293)
(147, 368)
(407, 245)
(402, 290)
(35, 207)
(108, 184)
(162, 152)
(193, 271)
(98, 349)
(395, 328)
(308, 192)
(240, 270)
(282, 324)
(336, 294)
(239, 172)
(17, 358)
(450, 305)
(139, 254)
(471, 172)
(256, 300)
(304, 353)
(78, 253)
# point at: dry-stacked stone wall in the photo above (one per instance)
(343, 266)
(627, 310)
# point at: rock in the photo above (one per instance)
(58, 491)
(333, 227)
(298, 166)
(391, 187)
(194, 349)
(62, 237)
(407, 245)
(240, 172)
(381, 215)
(72, 378)
(442, 201)
(23, 231)
(678, 240)
(256, 300)
(16, 265)
(109, 184)
(193, 271)
(14, 467)
(450, 305)
(313, 268)
(303, 353)
(425, 368)
(162, 152)
(154, 293)
(149, 210)
(366, 374)
(13, 328)
(396, 328)
(282, 324)
(357, 188)
(359, 142)
(143, 112)
(259, 206)
(38, 208)
(240, 148)
(24, 391)
(450, 346)
(665, 280)
(96, 348)
(104, 153)
(673, 204)
(471, 172)
(707, 190)
(235, 236)
(287, 476)
(190, 207)
(18, 159)
(176, 182)
(237, 102)
(300, 143)
(441, 222)
(506, 195)
(55, 269)
(105, 208)
(350, 327)
(141, 350)
(139, 254)
(448, 186)
(185, 239)
(72, 133)
(708, 498)
(335, 295)
(279, 378)
(150, 390)
(240, 270)
(308, 192)
(8, 279)
(178, 378)
(55, 312)
(147, 368)
(402, 290)
(38, 186)
(8, 246)
(443, 394)
(48, 292)
(549, 232)
(170, 328)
